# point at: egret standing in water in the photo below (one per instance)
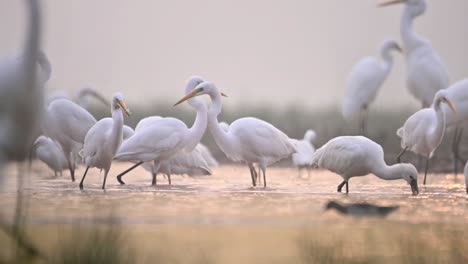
(424, 130)
(425, 72)
(162, 138)
(249, 139)
(50, 152)
(104, 138)
(364, 82)
(354, 156)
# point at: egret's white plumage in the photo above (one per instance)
(354, 156)
(365, 81)
(50, 152)
(305, 150)
(423, 131)
(67, 123)
(103, 139)
(158, 139)
(249, 139)
(425, 72)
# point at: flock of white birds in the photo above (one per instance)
(71, 136)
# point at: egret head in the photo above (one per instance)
(193, 82)
(415, 7)
(310, 135)
(118, 102)
(203, 88)
(389, 45)
(409, 173)
(442, 97)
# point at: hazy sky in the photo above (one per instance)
(266, 51)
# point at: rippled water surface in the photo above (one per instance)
(227, 197)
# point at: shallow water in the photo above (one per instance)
(227, 198)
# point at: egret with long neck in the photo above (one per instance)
(103, 139)
(424, 130)
(248, 140)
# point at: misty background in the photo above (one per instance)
(258, 52)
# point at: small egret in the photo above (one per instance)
(67, 123)
(305, 151)
(249, 139)
(354, 156)
(162, 138)
(364, 82)
(361, 209)
(103, 139)
(423, 131)
(425, 72)
(50, 152)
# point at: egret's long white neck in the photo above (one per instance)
(198, 128)
(410, 39)
(222, 138)
(385, 172)
(116, 135)
(387, 57)
(46, 67)
(437, 132)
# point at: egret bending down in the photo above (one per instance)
(249, 139)
(364, 82)
(305, 151)
(424, 130)
(50, 152)
(354, 156)
(103, 139)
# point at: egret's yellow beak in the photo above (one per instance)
(124, 107)
(223, 94)
(188, 96)
(450, 104)
(392, 2)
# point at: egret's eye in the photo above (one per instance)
(200, 89)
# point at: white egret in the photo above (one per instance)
(354, 156)
(20, 93)
(162, 138)
(423, 131)
(50, 152)
(249, 139)
(425, 72)
(103, 139)
(305, 151)
(67, 123)
(364, 82)
(127, 132)
(207, 156)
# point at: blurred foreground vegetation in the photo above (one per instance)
(294, 120)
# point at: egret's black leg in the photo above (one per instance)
(347, 187)
(264, 178)
(455, 152)
(258, 176)
(153, 182)
(82, 179)
(119, 177)
(72, 170)
(340, 186)
(400, 154)
(425, 171)
(55, 173)
(169, 179)
(253, 175)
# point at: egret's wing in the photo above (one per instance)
(147, 121)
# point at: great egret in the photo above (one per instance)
(425, 72)
(249, 139)
(162, 138)
(457, 93)
(50, 152)
(67, 123)
(354, 156)
(305, 151)
(423, 131)
(364, 82)
(103, 139)
(20, 93)
(361, 209)
(190, 163)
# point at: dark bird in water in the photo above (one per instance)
(361, 209)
